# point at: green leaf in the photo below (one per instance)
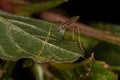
(89, 69)
(111, 56)
(38, 6)
(26, 38)
(111, 28)
(108, 52)
(101, 71)
(102, 49)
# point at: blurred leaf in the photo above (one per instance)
(30, 8)
(103, 48)
(25, 37)
(89, 69)
(111, 28)
(108, 52)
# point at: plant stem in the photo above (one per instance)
(8, 69)
(84, 29)
(116, 68)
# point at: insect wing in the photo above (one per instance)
(71, 20)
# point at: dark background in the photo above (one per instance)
(94, 10)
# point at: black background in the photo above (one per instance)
(94, 10)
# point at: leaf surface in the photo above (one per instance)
(89, 69)
(22, 37)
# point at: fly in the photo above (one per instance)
(64, 24)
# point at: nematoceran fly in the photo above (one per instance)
(65, 24)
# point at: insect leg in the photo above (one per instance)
(79, 39)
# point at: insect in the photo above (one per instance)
(64, 24)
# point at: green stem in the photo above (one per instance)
(8, 69)
(38, 72)
(116, 68)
